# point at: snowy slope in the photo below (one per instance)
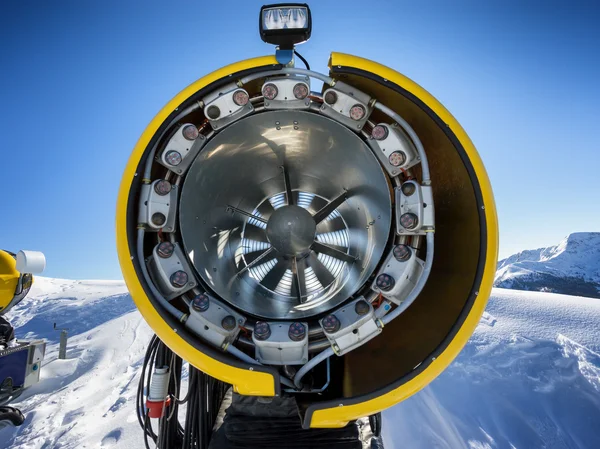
(571, 267)
(87, 400)
(529, 377)
(76, 305)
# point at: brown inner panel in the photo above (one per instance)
(409, 339)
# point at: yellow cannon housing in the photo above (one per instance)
(16, 276)
(9, 279)
(331, 237)
(20, 360)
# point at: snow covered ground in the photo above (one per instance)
(529, 377)
(88, 399)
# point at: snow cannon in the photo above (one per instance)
(20, 361)
(16, 276)
(330, 237)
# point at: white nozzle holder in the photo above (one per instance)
(33, 262)
(159, 384)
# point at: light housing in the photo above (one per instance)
(285, 25)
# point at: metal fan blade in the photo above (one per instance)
(330, 207)
(323, 274)
(333, 251)
(259, 254)
(252, 232)
(288, 187)
(299, 281)
(265, 210)
(271, 280)
(265, 256)
(337, 224)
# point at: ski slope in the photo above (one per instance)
(528, 378)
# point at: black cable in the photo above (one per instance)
(203, 398)
(174, 430)
(146, 425)
(302, 59)
(141, 406)
(191, 398)
(151, 363)
(145, 378)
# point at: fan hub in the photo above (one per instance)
(291, 231)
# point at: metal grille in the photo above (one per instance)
(251, 249)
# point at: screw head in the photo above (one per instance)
(158, 219)
(409, 220)
(201, 302)
(402, 253)
(362, 307)
(165, 250)
(229, 323)
(262, 330)
(179, 279)
(297, 331)
(331, 324)
(385, 282)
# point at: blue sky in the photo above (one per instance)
(79, 81)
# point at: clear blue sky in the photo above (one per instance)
(79, 81)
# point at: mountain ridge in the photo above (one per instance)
(571, 267)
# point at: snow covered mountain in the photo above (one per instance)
(572, 267)
(528, 378)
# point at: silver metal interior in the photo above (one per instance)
(252, 169)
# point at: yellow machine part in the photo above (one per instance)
(244, 381)
(9, 278)
(416, 347)
(456, 221)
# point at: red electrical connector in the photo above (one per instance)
(158, 399)
(156, 409)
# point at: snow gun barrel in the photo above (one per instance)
(276, 228)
